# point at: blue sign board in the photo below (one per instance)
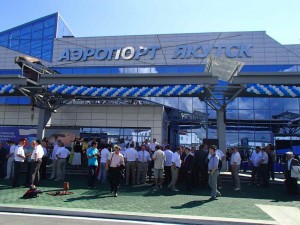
(14, 133)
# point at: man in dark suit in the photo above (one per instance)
(188, 164)
(290, 182)
(200, 166)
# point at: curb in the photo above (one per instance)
(144, 217)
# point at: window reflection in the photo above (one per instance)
(245, 103)
(261, 103)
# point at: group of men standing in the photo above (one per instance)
(18, 155)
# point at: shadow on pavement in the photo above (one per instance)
(191, 204)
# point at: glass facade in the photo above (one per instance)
(113, 135)
(35, 38)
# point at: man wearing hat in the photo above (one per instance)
(290, 182)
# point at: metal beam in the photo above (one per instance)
(127, 79)
(281, 78)
(13, 79)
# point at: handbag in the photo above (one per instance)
(295, 172)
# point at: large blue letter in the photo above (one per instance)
(87, 53)
(180, 51)
(76, 54)
(65, 55)
(232, 51)
(153, 50)
(245, 49)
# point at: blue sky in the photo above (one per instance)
(281, 19)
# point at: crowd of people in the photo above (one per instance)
(194, 167)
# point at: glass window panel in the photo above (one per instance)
(234, 104)
(26, 37)
(172, 101)
(245, 103)
(276, 103)
(36, 44)
(47, 56)
(262, 138)
(232, 138)
(261, 103)
(262, 114)
(14, 44)
(37, 35)
(246, 114)
(37, 27)
(49, 32)
(198, 105)
(212, 114)
(111, 131)
(15, 34)
(159, 100)
(275, 114)
(26, 30)
(4, 40)
(212, 133)
(49, 22)
(291, 103)
(185, 104)
(232, 114)
(249, 135)
(24, 47)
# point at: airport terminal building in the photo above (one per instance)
(178, 112)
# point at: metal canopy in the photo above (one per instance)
(128, 79)
(13, 79)
(279, 78)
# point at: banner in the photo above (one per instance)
(14, 133)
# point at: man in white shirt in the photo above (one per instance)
(264, 167)
(36, 157)
(153, 144)
(131, 158)
(54, 160)
(143, 160)
(255, 162)
(103, 158)
(176, 165)
(10, 160)
(19, 160)
(168, 164)
(62, 154)
(158, 158)
(222, 158)
(235, 163)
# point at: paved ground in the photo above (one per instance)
(142, 199)
(25, 219)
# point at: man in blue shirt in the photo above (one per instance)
(92, 155)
